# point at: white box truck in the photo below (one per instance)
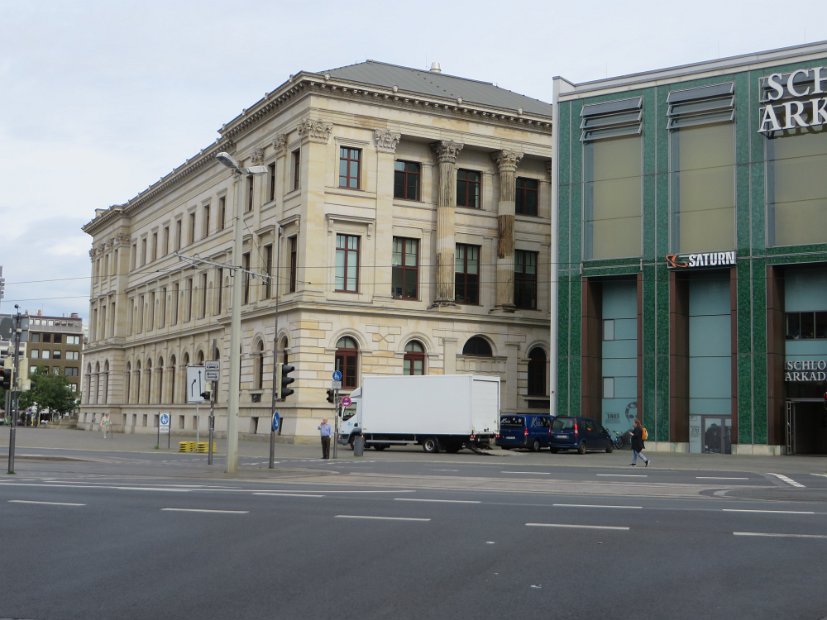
(438, 412)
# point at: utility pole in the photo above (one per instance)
(15, 389)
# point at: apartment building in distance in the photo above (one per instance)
(55, 345)
(403, 227)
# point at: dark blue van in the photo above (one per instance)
(524, 430)
(578, 433)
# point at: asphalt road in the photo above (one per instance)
(102, 532)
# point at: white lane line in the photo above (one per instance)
(579, 527)
(822, 475)
(288, 495)
(773, 535)
(437, 501)
(789, 481)
(623, 475)
(530, 473)
(26, 501)
(717, 478)
(596, 506)
(772, 512)
(221, 512)
(372, 518)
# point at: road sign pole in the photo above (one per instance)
(335, 422)
(211, 432)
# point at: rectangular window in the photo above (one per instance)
(134, 255)
(162, 310)
(178, 227)
(468, 188)
(467, 274)
(405, 270)
(613, 198)
(203, 308)
(525, 280)
(806, 325)
(45, 354)
(205, 224)
(525, 198)
(295, 165)
(72, 355)
(35, 354)
(166, 240)
(188, 306)
(406, 175)
(294, 247)
(154, 254)
(58, 338)
(222, 212)
(268, 270)
(272, 181)
(219, 291)
(56, 355)
(191, 232)
(250, 187)
(70, 371)
(349, 167)
(143, 251)
(245, 265)
(176, 293)
(347, 263)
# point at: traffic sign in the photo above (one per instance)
(163, 423)
(276, 421)
(337, 375)
(336, 385)
(196, 384)
(212, 370)
(346, 402)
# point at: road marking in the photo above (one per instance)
(789, 481)
(579, 527)
(380, 518)
(772, 535)
(717, 478)
(288, 495)
(596, 506)
(223, 512)
(531, 473)
(437, 501)
(26, 501)
(772, 512)
(823, 475)
(623, 475)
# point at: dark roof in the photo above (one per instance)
(432, 83)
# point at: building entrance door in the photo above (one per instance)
(805, 426)
(710, 434)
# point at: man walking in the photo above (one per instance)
(324, 433)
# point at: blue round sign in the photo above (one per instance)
(276, 421)
(337, 375)
(164, 419)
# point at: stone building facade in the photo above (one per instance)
(402, 227)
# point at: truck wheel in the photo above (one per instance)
(430, 445)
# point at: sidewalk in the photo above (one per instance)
(29, 440)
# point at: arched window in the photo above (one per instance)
(160, 370)
(172, 372)
(414, 358)
(138, 381)
(106, 382)
(347, 360)
(128, 382)
(537, 372)
(258, 366)
(184, 376)
(477, 346)
(149, 381)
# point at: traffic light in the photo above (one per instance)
(286, 379)
(330, 395)
(5, 379)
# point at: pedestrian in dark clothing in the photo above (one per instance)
(324, 433)
(637, 444)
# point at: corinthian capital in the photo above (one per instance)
(386, 140)
(446, 151)
(280, 144)
(507, 161)
(315, 130)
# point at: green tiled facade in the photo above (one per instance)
(755, 412)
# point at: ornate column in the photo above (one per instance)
(386, 143)
(507, 162)
(446, 153)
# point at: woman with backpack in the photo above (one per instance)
(637, 443)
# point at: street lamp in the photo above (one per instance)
(235, 316)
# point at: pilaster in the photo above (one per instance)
(446, 153)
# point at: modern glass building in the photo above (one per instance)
(692, 256)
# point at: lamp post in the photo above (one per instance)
(235, 316)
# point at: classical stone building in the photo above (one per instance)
(402, 227)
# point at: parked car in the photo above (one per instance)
(524, 430)
(578, 433)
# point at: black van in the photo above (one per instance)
(524, 430)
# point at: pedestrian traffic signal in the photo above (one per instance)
(5, 378)
(286, 379)
(330, 395)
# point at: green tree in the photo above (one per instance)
(49, 391)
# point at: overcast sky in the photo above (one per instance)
(101, 98)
